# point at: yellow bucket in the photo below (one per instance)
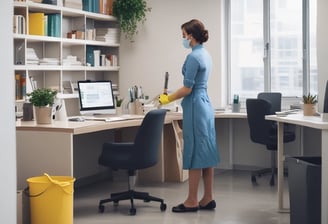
(51, 199)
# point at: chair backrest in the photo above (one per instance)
(260, 128)
(148, 138)
(274, 98)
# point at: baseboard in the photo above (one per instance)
(101, 176)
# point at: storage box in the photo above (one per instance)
(23, 208)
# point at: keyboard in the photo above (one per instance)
(110, 118)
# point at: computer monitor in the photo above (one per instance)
(96, 97)
(325, 100)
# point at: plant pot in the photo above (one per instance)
(308, 109)
(43, 115)
(119, 111)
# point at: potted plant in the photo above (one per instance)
(119, 102)
(309, 101)
(129, 13)
(42, 100)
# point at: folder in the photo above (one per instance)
(54, 26)
(36, 23)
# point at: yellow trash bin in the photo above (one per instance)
(51, 199)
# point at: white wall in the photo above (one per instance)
(7, 118)
(158, 47)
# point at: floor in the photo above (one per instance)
(238, 202)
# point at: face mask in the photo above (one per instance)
(186, 43)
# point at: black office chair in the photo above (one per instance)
(264, 132)
(274, 98)
(133, 156)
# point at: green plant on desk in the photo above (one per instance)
(43, 100)
(310, 99)
(42, 97)
(119, 101)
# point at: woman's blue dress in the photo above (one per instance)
(200, 148)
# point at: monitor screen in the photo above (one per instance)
(325, 102)
(96, 97)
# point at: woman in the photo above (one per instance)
(200, 153)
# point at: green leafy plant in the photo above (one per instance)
(42, 97)
(119, 101)
(129, 13)
(310, 99)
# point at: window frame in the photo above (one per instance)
(267, 48)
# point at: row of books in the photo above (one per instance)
(19, 24)
(44, 24)
(98, 6)
(20, 85)
(100, 58)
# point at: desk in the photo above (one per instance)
(312, 122)
(68, 148)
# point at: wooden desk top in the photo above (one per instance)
(86, 126)
(89, 126)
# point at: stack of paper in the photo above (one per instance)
(49, 61)
(71, 60)
(108, 35)
(31, 57)
(75, 4)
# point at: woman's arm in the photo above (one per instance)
(180, 93)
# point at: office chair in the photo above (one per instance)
(274, 98)
(133, 156)
(264, 132)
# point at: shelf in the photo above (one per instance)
(72, 21)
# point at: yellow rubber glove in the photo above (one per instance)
(164, 99)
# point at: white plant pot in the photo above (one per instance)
(43, 115)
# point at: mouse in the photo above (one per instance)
(79, 119)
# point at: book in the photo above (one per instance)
(54, 27)
(19, 24)
(22, 84)
(36, 23)
(17, 86)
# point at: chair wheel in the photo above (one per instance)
(133, 211)
(101, 208)
(163, 207)
(272, 181)
(253, 178)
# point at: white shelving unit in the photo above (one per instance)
(45, 47)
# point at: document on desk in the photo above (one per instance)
(286, 112)
(109, 118)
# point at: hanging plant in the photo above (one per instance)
(129, 13)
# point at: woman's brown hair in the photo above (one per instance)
(197, 29)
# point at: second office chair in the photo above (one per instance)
(264, 132)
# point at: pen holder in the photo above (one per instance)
(235, 107)
(136, 107)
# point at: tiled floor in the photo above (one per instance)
(238, 202)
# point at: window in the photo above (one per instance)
(271, 47)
